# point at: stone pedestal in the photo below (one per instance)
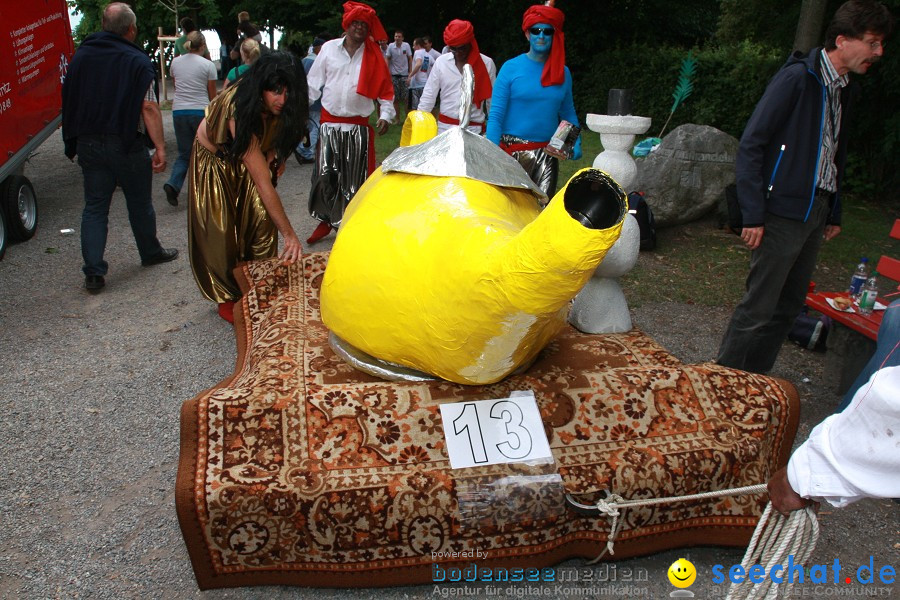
(617, 133)
(600, 306)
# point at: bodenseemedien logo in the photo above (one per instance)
(682, 574)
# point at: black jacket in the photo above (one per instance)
(104, 89)
(779, 151)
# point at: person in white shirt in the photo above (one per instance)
(351, 77)
(195, 85)
(850, 455)
(399, 58)
(419, 75)
(446, 75)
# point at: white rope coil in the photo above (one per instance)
(774, 538)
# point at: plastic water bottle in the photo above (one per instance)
(859, 278)
(868, 295)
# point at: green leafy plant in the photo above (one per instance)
(683, 88)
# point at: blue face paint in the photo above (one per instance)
(540, 38)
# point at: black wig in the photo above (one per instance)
(273, 72)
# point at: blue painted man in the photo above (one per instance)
(532, 94)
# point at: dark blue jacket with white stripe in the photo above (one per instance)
(779, 151)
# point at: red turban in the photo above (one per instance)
(374, 77)
(555, 67)
(459, 33)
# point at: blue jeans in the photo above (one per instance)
(107, 162)
(415, 94)
(313, 124)
(887, 354)
(186, 124)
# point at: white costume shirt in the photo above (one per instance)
(854, 454)
(334, 76)
(444, 79)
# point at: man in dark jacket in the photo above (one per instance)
(789, 169)
(109, 104)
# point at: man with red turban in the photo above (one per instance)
(351, 77)
(532, 95)
(446, 76)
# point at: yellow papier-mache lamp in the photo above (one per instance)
(446, 265)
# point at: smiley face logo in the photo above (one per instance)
(682, 573)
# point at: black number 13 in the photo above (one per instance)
(518, 443)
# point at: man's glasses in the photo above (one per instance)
(548, 31)
(875, 45)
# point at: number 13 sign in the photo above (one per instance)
(490, 432)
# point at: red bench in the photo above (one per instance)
(887, 266)
(851, 342)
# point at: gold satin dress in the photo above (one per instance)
(227, 221)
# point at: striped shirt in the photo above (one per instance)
(826, 172)
(150, 96)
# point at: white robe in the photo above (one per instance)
(854, 454)
(444, 79)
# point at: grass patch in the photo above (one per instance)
(697, 263)
(865, 229)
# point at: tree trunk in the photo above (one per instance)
(809, 26)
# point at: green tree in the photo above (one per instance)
(761, 21)
(151, 14)
(810, 24)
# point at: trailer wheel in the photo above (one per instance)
(2, 235)
(20, 207)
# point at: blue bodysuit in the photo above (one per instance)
(522, 107)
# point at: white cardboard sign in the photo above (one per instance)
(490, 432)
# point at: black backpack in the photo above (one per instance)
(641, 210)
(810, 332)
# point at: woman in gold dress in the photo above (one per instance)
(235, 215)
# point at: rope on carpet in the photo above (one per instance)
(774, 538)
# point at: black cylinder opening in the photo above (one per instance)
(595, 200)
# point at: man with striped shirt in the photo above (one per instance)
(789, 169)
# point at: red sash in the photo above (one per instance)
(362, 122)
(451, 121)
(510, 148)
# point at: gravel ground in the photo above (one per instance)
(92, 384)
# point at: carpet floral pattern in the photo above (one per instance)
(299, 469)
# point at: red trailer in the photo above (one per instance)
(34, 55)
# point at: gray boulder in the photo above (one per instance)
(685, 176)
